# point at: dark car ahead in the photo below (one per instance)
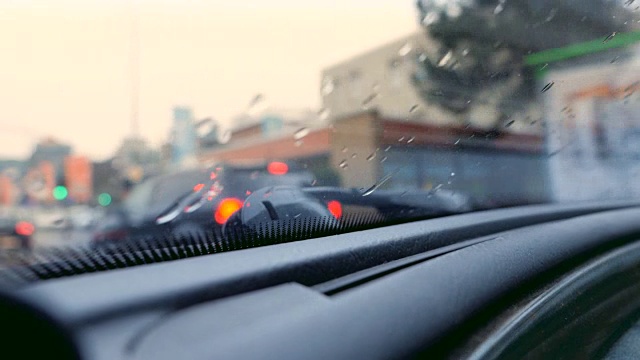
(15, 233)
(191, 201)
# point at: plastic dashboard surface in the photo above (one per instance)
(381, 293)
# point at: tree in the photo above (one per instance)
(475, 67)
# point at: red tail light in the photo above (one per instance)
(226, 208)
(25, 228)
(335, 208)
(277, 168)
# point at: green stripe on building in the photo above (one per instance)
(581, 49)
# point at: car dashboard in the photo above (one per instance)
(520, 282)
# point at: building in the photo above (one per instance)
(399, 82)
(380, 79)
(51, 151)
(136, 160)
(78, 174)
(360, 150)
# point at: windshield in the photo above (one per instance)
(152, 119)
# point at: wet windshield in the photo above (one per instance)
(146, 119)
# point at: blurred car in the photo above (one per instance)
(191, 202)
(15, 233)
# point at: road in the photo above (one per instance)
(61, 237)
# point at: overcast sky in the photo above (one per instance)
(65, 64)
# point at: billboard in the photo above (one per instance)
(78, 175)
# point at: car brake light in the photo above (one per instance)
(25, 228)
(198, 187)
(226, 208)
(277, 168)
(335, 208)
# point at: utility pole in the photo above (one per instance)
(135, 71)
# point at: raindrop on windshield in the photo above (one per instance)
(354, 155)
(387, 148)
(367, 101)
(401, 139)
(328, 86)
(509, 123)
(324, 113)
(301, 133)
(454, 10)
(547, 87)
(414, 108)
(457, 142)
(345, 149)
(384, 158)
(405, 50)
(615, 59)
(257, 105)
(551, 15)
(298, 143)
(224, 137)
(343, 164)
(411, 139)
(610, 37)
(445, 59)
(371, 157)
(498, 9)
(430, 18)
(377, 185)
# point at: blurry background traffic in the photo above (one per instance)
(508, 102)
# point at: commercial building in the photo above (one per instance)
(51, 151)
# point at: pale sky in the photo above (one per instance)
(65, 64)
